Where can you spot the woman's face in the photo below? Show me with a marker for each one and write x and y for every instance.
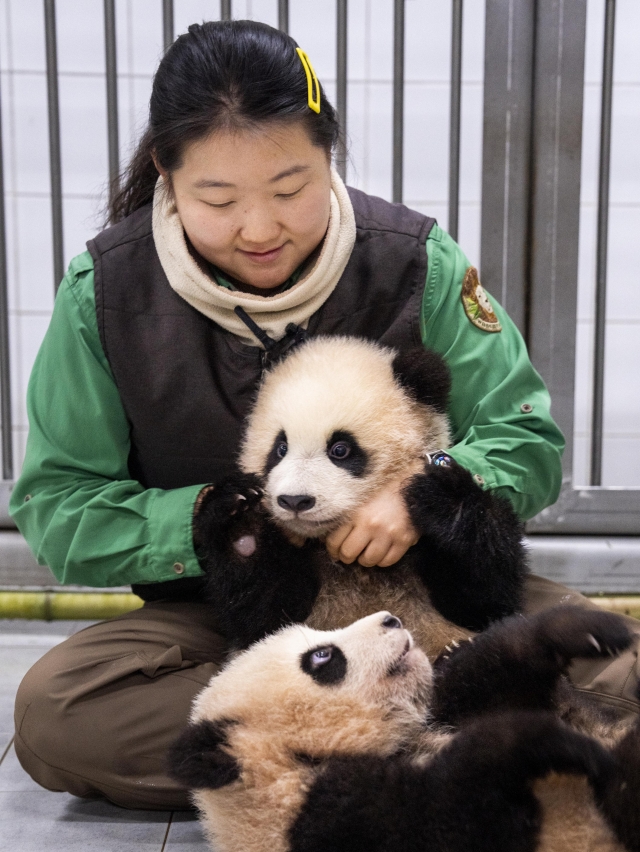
(254, 203)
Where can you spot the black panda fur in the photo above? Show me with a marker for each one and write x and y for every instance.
(350, 740)
(387, 410)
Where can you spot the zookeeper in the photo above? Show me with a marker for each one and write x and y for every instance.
(138, 393)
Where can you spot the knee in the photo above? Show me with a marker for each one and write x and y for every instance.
(39, 716)
(103, 726)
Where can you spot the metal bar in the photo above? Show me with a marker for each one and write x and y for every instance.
(112, 95)
(398, 99)
(341, 85)
(225, 10)
(167, 24)
(591, 564)
(506, 153)
(555, 203)
(5, 373)
(283, 15)
(454, 118)
(55, 154)
(597, 413)
(591, 510)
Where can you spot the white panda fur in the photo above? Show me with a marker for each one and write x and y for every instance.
(392, 416)
(281, 731)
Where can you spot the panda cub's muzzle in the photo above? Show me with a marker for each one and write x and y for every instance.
(314, 478)
(296, 502)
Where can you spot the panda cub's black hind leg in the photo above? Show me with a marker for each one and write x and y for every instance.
(257, 581)
(475, 794)
(471, 554)
(491, 764)
(518, 663)
(618, 795)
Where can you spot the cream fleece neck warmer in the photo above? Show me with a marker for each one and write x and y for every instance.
(272, 313)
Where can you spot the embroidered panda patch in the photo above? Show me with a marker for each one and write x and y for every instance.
(476, 302)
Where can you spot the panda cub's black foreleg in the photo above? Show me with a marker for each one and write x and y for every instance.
(518, 663)
(471, 555)
(257, 581)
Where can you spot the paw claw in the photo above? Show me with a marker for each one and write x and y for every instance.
(592, 639)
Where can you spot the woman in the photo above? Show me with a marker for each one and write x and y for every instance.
(230, 201)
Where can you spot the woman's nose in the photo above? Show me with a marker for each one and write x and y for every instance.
(259, 229)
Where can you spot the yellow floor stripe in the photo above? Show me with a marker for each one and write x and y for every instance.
(49, 605)
(624, 604)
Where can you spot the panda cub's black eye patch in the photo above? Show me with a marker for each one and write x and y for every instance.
(345, 452)
(326, 664)
(278, 452)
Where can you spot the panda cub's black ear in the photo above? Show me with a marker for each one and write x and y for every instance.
(425, 375)
(200, 759)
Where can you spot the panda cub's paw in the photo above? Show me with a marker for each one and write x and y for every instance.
(569, 632)
(518, 663)
(447, 497)
(229, 513)
(233, 496)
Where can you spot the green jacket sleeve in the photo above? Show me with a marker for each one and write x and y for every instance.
(512, 450)
(75, 503)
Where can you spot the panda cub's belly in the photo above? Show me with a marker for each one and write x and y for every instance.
(350, 592)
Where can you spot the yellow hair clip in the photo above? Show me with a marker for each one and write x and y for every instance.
(314, 104)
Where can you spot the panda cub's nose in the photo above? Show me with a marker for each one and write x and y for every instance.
(296, 502)
(391, 621)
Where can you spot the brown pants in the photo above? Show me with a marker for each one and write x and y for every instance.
(96, 715)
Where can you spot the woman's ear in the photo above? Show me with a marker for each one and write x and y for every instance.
(162, 172)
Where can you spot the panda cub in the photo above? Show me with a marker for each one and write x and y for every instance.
(348, 740)
(332, 424)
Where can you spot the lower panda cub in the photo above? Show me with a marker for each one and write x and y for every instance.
(350, 740)
(333, 423)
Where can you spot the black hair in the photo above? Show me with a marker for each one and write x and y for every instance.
(220, 75)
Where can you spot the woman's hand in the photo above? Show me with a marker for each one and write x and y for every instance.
(380, 532)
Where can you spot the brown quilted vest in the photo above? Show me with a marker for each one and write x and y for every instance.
(186, 384)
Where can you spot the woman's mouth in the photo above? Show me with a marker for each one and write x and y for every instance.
(263, 256)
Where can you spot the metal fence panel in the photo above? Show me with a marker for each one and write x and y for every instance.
(530, 218)
(533, 99)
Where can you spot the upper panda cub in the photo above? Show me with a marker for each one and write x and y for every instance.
(349, 740)
(332, 423)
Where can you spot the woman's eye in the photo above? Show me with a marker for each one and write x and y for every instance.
(340, 450)
(219, 206)
(291, 194)
(320, 657)
(281, 450)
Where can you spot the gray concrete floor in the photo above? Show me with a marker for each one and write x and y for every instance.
(33, 819)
